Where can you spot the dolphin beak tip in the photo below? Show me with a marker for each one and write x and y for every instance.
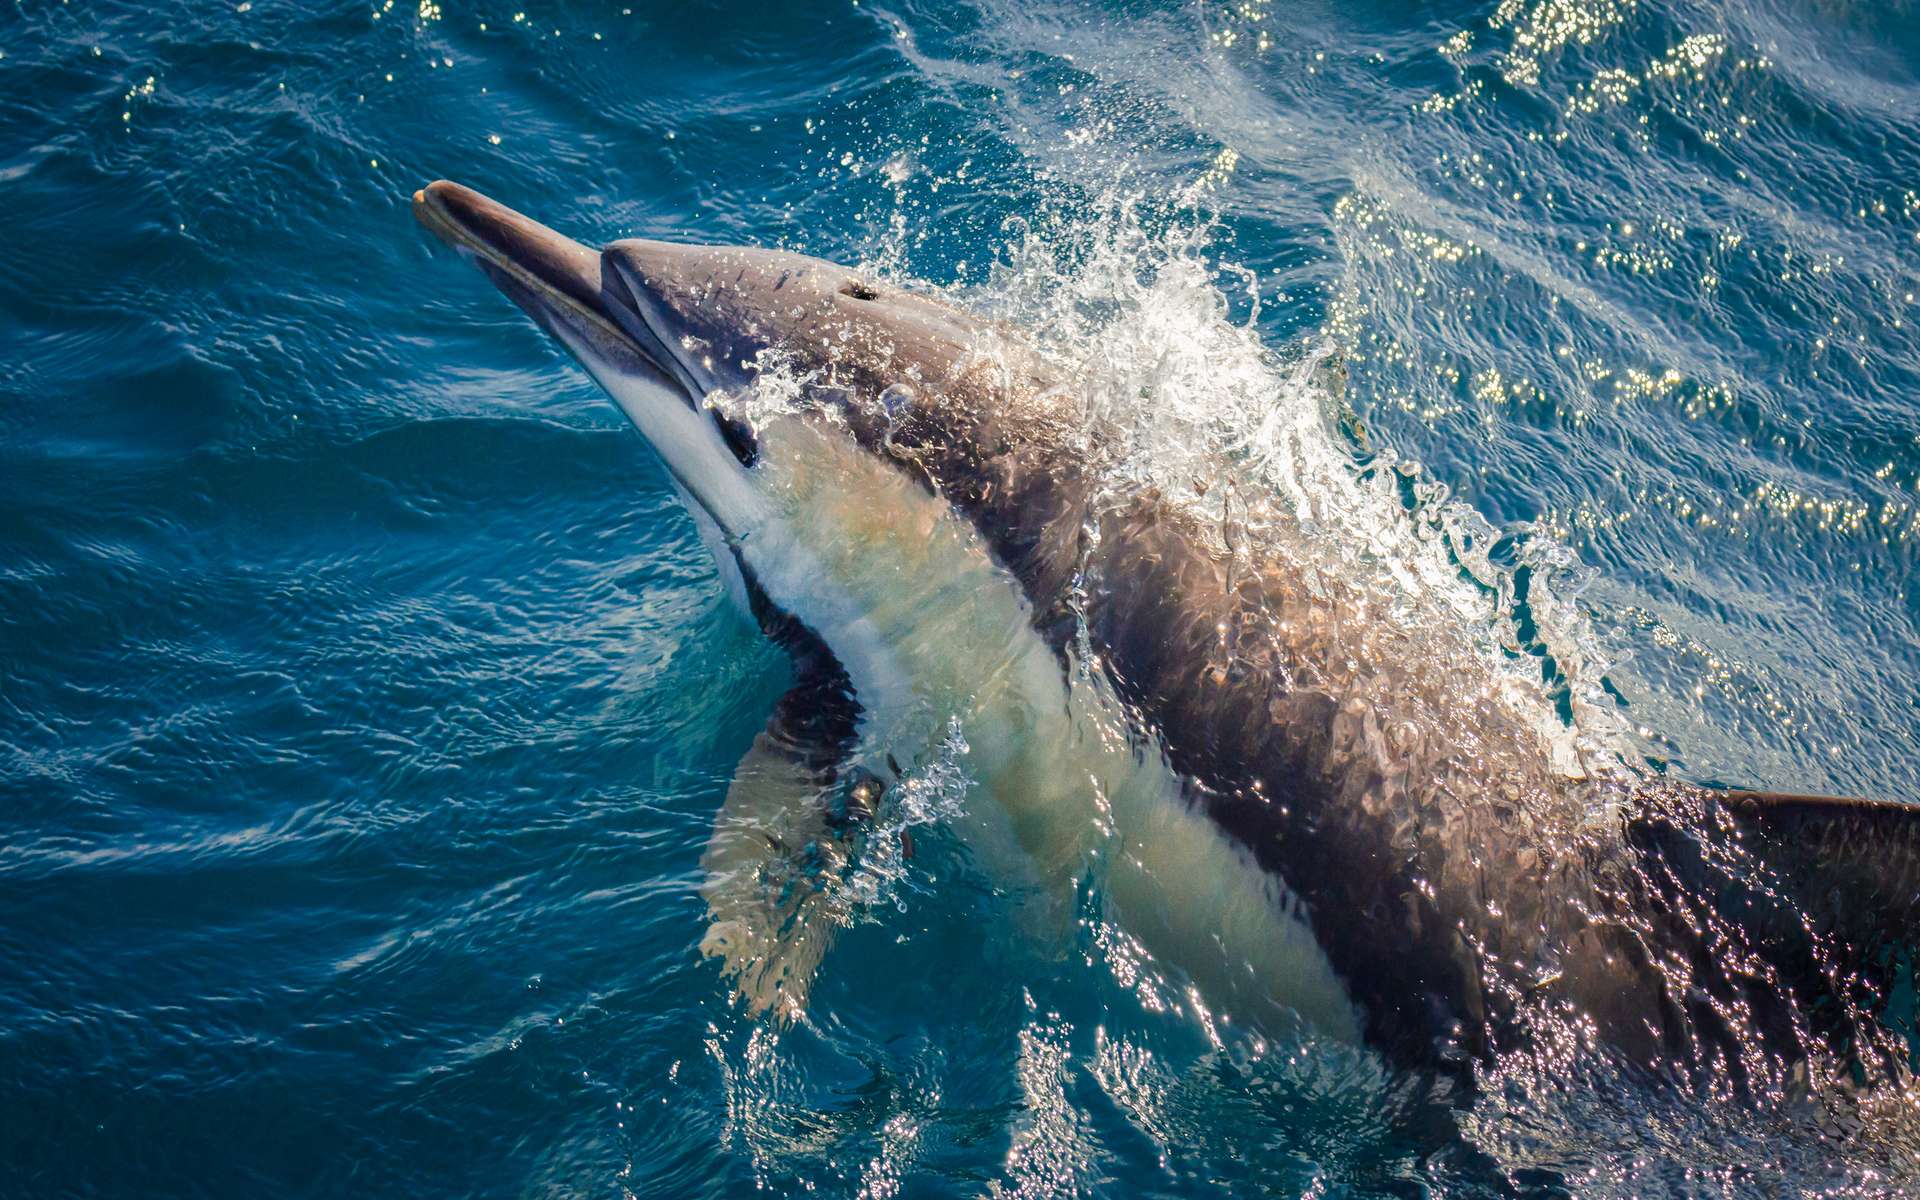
(441, 191)
(452, 212)
(429, 212)
(542, 270)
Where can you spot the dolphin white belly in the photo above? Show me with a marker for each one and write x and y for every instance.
(933, 633)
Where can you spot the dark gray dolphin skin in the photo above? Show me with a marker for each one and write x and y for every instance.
(1685, 928)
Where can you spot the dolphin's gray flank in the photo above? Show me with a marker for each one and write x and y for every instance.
(1451, 919)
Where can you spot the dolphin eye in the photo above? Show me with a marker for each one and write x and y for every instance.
(738, 438)
(859, 289)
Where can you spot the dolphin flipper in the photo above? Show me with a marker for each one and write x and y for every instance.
(779, 849)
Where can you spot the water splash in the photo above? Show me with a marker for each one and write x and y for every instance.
(1191, 404)
(930, 793)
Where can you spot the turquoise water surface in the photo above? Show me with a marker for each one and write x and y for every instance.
(366, 694)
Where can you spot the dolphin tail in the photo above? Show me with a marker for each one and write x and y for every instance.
(1821, 894)
(1854, 865)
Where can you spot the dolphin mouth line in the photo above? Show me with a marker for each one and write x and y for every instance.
(547, 265)
(543, 269)
(431, 209)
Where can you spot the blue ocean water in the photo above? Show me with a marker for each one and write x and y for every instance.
(365, 694)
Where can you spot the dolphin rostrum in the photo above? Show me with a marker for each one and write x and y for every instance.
(905, 497)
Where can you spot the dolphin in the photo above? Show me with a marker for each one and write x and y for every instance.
(907, 498)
